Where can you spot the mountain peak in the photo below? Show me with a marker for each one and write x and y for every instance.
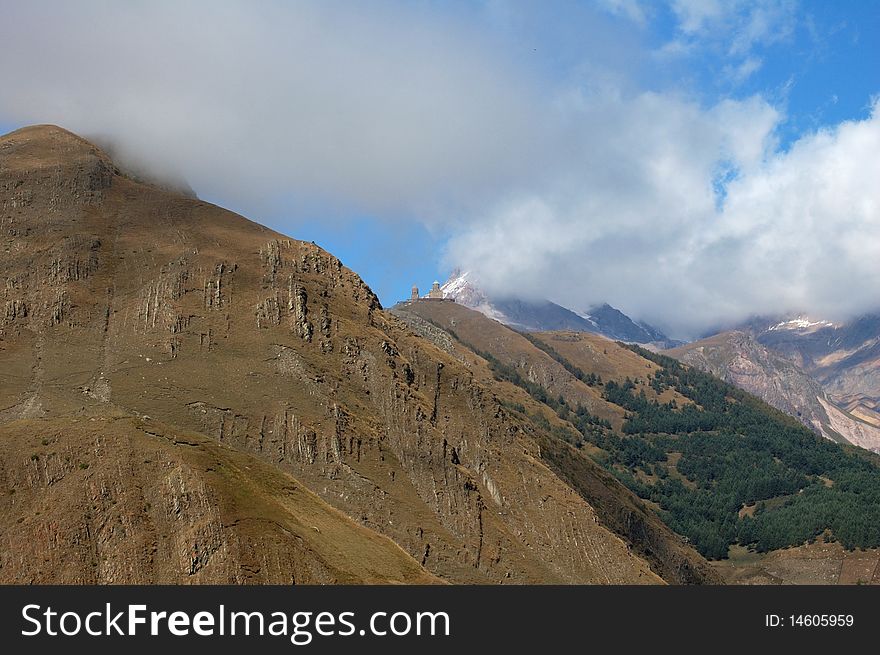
(44, 131)
(39, 147)
(42, 146)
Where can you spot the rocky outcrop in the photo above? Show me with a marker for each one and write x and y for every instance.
(844, 358)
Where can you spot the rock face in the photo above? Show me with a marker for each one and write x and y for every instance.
(124, 300)
(738, 358)
(843, 358)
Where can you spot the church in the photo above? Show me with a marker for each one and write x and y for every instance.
(434, 294)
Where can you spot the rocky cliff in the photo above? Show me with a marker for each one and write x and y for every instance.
(123, 299)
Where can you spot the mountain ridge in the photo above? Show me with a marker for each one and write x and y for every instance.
(539, 315)
(128, 299)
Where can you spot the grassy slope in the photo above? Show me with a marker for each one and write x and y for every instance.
(142, 502)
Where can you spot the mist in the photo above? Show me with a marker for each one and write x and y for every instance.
(586, 185)
(380, 107)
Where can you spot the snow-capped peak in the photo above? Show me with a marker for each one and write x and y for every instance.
(461, 288)
(456, 284)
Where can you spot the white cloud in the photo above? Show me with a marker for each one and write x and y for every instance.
(742, 71)
(618, 218)
(695, 15)
(734, 30)
(583, 188)
(803, 230)
(634, 10)
(740, 24)
(381, 107)
(637, 223)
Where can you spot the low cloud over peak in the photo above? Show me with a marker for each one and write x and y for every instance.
(568, 157)
(690, 218)
(376, 108)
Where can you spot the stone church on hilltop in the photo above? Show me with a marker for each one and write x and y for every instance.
(434, 294)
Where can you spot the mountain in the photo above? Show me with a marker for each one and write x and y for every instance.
(478, 341)
(738, 358)
(844, 358)
(616, 325)
(749, 487)
(539, 315)
(188, 396)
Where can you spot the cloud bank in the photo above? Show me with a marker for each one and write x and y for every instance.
(370, 107)
(583, 185)
(694, 218)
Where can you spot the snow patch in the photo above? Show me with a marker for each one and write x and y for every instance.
(801, 323)
(589, 318)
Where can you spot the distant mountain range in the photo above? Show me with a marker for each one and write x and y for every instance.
(539, 315)
(826, 375)
(738, 358)
(844, 358)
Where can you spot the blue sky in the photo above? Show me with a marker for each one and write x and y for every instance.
(655, 155)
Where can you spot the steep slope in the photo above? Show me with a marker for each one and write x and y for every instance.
(118, 500)
(126, 299)
(543, 315)
(492, 349)
(739, 359)
(515, 349)
(518, 313)
(614, 324)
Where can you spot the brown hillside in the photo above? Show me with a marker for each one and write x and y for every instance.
(123, 299)
(593, 353)
(465, 332)
(125, 501)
